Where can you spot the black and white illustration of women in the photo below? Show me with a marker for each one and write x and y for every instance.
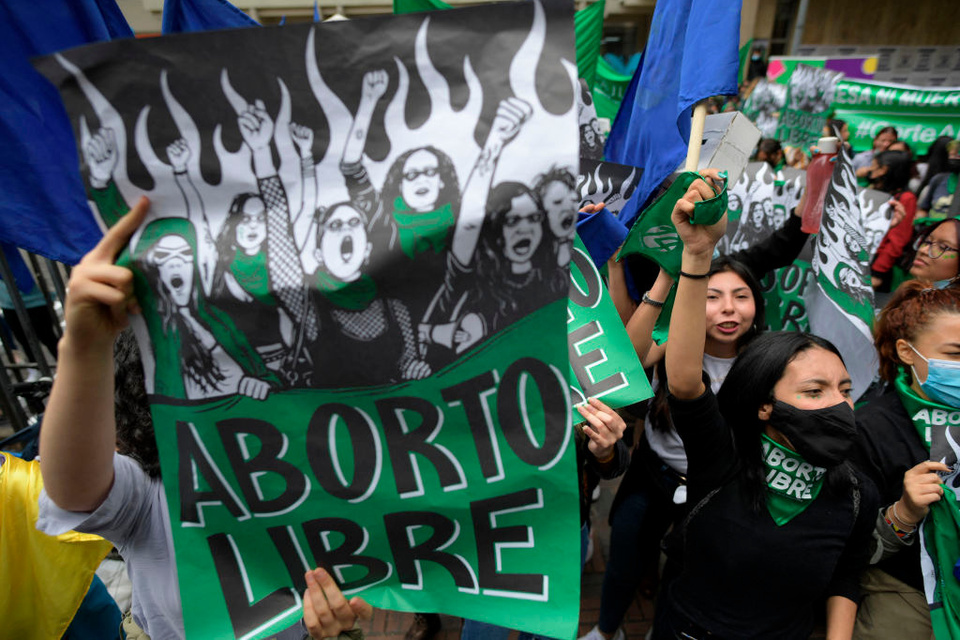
(283, 294)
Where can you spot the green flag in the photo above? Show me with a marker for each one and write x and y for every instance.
(744, 60)
(413, 6)
(588, 25)
(608, 89)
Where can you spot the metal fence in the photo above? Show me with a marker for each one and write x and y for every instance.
(29, 323)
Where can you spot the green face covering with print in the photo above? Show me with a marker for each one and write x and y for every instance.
(792, 483)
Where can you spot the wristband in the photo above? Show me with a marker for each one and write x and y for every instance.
(650, 301)
(694, 276)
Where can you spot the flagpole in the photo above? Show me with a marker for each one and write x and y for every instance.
(696, 136)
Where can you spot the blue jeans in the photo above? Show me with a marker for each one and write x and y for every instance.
(475, 630)
(637, 526)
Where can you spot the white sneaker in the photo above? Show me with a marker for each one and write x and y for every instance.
(595, 634)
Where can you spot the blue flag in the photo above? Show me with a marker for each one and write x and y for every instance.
(691, 54)
(184, 16)
(43, 208)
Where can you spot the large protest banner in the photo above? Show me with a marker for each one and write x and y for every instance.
(403, 419)
(920, 114)
(809, 96)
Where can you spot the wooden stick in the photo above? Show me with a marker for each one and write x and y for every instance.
(696, 136)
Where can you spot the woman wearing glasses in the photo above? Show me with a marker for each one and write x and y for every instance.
(357, 325)
(936, 259)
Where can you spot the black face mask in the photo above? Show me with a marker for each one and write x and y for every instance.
(824, 437)
(953, 165)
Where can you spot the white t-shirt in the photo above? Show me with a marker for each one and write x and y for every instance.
(666, 443)
(134, 518)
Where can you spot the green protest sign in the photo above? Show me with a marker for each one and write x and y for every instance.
(920, 114)
(809, 96)
(871, 96)
(353, 328)
(603, 362)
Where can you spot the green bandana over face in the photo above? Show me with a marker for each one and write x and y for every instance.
(353, 296)
(940, 530)
(252, 274)
(792, 483)
(421, 232)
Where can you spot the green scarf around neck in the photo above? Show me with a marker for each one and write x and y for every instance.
(422, 232)
(353, 296)
(252, 274)
(940, 530)
(792, 483)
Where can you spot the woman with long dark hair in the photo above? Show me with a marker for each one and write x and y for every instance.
(890, 172)
(778, 521)
(917, 336)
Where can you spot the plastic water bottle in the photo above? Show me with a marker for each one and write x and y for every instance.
(819, 174)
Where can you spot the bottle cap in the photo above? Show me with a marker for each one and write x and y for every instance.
(829, 145)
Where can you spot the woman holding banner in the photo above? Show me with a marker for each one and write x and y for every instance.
(766, 474)
(902, 448)
(99, 460)
(890, 172)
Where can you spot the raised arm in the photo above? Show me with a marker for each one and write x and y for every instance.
(641, 323)
(511, 114)
(302, 219)
(374, 86)
(100, 155)
(179, 155)
(79, 427)
(688, 324)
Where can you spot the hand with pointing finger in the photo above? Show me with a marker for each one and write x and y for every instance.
(101, 293)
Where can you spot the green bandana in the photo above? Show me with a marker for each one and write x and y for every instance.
(940, 530)
(421, 232)
(252, 274)
(353, 296)
(654, 236)
(792, 483)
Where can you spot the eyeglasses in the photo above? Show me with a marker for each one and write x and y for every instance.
(338, 224)
(513, 219)
(935, 248)
(253, 218)
(162, 256)
(416, 173)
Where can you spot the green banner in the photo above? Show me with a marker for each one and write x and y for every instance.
(609, 89)
(603, 362)
(457, 493)
(921, 115)
(870, 96)
(355, 350)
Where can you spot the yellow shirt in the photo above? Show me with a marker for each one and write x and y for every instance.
(44, 578)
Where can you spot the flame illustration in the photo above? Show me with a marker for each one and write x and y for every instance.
(449, 128)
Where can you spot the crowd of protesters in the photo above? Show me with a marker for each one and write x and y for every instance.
(760, 499)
